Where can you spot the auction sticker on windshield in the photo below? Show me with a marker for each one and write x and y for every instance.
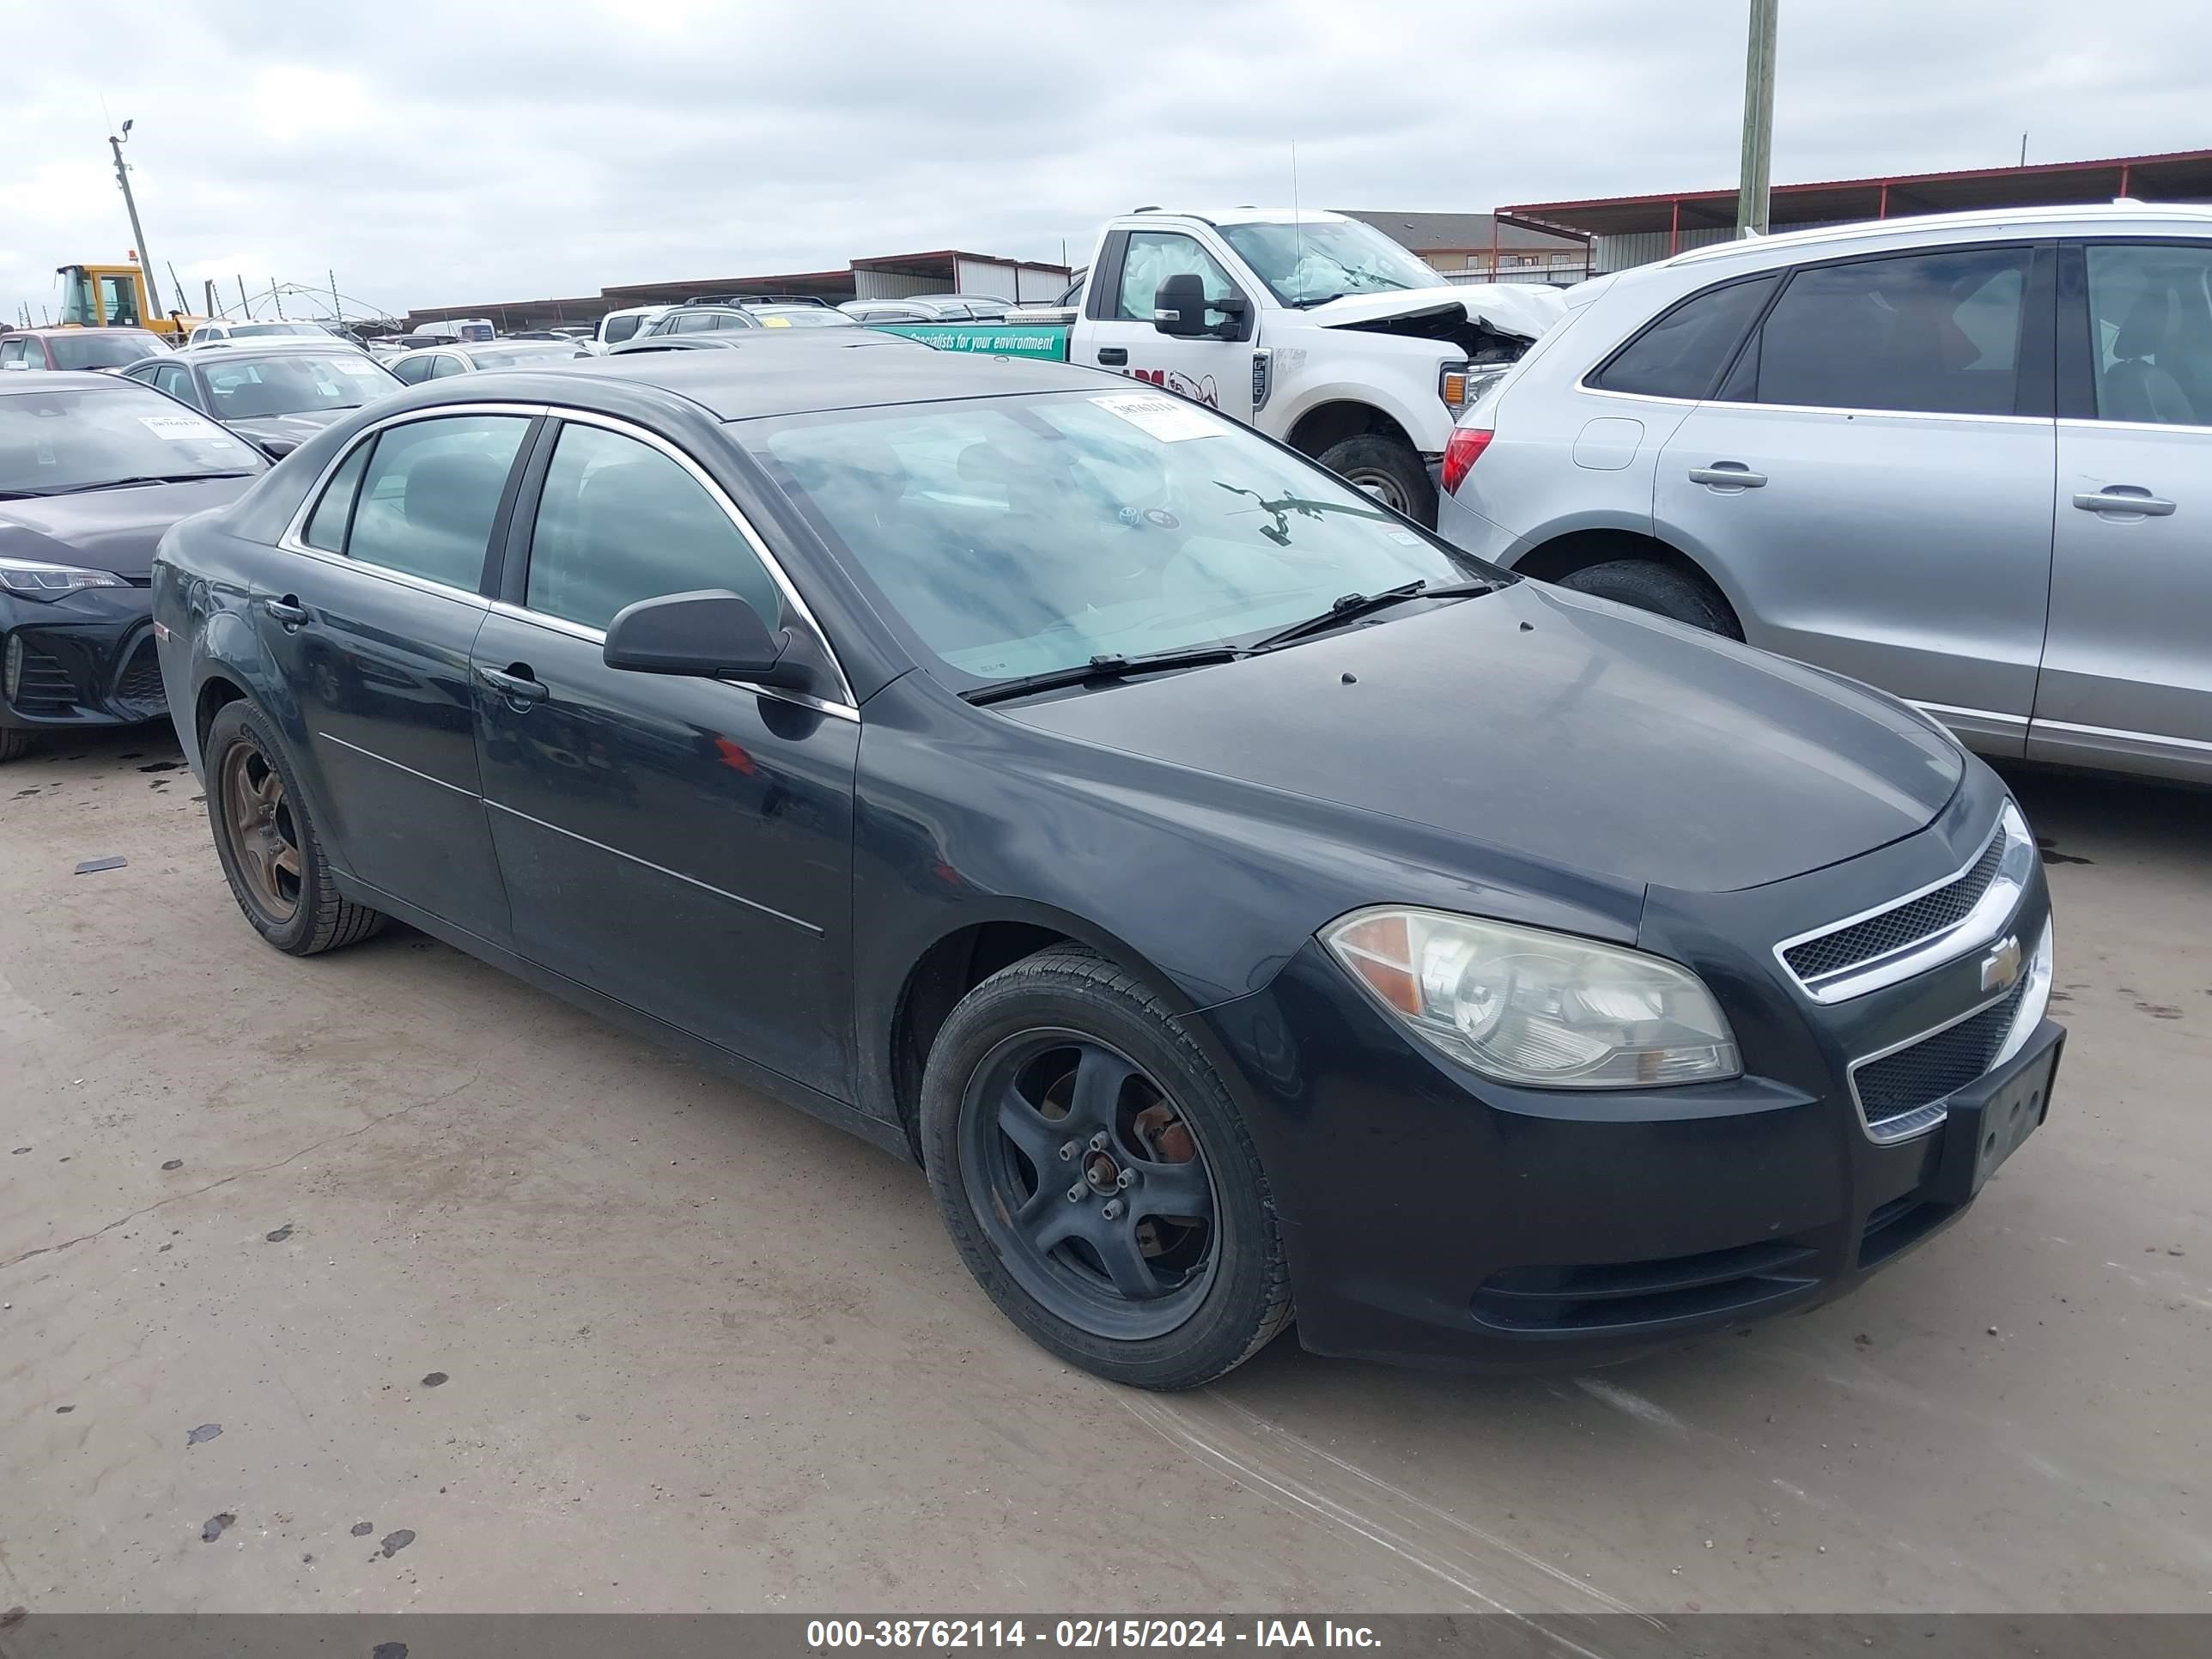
(1162, 416)
(183, 429)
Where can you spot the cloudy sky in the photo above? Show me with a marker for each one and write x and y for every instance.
(448, 153)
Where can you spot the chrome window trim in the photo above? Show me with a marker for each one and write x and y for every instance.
(1909, 1125)
(384, 573)
(294, 540)
(843, 711)
(661, 869)
(2092, 424)
(1583, 386)
(1885, 414)
(1988, 919)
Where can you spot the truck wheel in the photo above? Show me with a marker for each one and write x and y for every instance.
(1389, 471)
(1649, 585)
(1096, 1178)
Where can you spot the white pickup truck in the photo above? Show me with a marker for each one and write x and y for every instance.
(1314, 327)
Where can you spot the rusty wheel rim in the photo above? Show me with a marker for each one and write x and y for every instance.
(264, 841)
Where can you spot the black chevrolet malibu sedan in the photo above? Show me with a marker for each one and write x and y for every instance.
(92, 468)
(1244, 906)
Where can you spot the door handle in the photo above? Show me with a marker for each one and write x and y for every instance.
(1113, 357)
(1728, 475)
(287, 610)
(516, 682)
(2123, 498)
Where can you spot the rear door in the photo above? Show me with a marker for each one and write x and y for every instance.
(370, 622)
(2127, 670)
(1871, 484)
(678, 844)
(1117, 331)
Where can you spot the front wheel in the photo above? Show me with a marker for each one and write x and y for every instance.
(1387, 470)
(1649, 585)
(1097, 1179)
(14, 743)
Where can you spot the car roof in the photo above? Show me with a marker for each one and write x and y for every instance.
(276, 345)
(65, 379)
(61, 328)
(788, 372)
(2091, 217)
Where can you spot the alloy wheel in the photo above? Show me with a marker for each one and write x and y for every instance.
(264, 841)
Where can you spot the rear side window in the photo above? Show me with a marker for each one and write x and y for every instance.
(618, 521)
(326, 525)
(1934, 334)
(1683, 354)
(620, 328)
(430, 494)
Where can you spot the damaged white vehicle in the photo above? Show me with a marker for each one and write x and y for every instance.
(1314, 327)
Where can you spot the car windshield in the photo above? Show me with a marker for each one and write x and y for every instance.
(801, 316)
(522, 353)
(1017, 536)
(106, 348)
(54, 442)
(1308, 264)
(243, 387)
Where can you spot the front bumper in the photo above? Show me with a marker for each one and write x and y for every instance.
(1433, 1216)
(86, 659)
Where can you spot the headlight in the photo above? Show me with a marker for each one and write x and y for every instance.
(1525, 1006)
(30, 580)
(1461, 384)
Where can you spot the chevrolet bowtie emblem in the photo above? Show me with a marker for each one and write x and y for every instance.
(2001, 967)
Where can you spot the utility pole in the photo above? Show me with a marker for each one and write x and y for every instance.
(244, 304)
(276, 298)
(115, 142)
(1758, 121)
(337, 311)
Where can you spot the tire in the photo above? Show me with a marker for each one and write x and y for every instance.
(274, 861)
(14, 743)
(1649, 585)
(1389, 470)
(1216, 1291)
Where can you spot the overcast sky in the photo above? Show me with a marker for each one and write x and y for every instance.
(448, 154)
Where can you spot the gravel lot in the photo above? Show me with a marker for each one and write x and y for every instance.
(385, 1282)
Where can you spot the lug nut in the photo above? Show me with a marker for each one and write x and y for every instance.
(1098, 1141)
(1068, 1151)
(1075, 1193)
(1126, 1180)
(1112, 1210)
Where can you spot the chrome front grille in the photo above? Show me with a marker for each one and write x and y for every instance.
(1919, 930)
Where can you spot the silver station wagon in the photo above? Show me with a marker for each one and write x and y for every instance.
(1967, 459)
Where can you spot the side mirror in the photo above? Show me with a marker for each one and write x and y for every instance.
(1179, 307)
(277, 448)
(713, 634)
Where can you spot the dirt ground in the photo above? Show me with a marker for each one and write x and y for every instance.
(385, 1282)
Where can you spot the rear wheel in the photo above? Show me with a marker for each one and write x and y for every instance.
(267, 842)
(1389, 470)
(1096, 1178)
(1649, 585)
(14, 743)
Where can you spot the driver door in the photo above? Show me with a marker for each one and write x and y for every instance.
(1118, 333)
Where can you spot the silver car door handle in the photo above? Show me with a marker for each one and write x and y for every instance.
(287, 610)
(1728, 475)
(2123, 498)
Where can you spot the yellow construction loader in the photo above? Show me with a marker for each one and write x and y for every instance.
(115, 296)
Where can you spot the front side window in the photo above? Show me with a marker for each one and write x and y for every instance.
(1311, 264)
(177, 381)
(2150, 328)
(52, 443)
(1683, 354)
(446, 363)
(1152, 257)
(430, 494)
(11, 353)
(1018, 535)
(620, 328)
(1936, 333)
(618, 521)
(409, 371)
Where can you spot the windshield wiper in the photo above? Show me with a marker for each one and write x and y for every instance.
(1104, 670)
(1352, 606)
(155, 478)
(1317, 300)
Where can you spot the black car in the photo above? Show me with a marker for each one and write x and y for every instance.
(92, 468)
(275, 394)
(1238, 900)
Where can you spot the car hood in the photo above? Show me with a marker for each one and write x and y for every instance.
(298, 426)
(1566, 730)
(113, 530)
(1522, 309)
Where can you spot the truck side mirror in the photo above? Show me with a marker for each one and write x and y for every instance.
(1179, 307)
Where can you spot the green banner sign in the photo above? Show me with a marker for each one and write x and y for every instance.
(1045, 340)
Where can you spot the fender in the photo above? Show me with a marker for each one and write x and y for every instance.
(1427, 428)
